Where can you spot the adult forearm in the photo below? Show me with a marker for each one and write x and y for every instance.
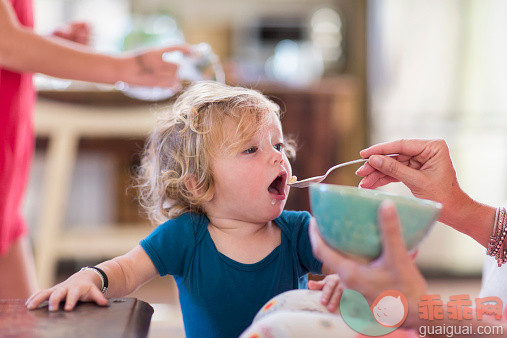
(23, 50)
(472, 218)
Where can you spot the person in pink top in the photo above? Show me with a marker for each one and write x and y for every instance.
(22, 52)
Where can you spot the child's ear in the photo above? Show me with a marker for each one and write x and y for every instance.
(192, 186)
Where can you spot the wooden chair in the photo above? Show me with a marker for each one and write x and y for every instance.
(64, 124)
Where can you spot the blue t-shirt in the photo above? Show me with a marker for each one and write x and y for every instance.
(219, 297)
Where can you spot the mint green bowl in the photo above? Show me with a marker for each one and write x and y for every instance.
(347, 218)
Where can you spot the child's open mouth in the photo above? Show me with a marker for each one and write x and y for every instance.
(277, 187)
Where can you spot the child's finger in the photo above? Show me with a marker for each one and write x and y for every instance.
(98, 297)
(185, 49)
(315, 285)
(31, 298)
(328, 290)
(72, 297)
(334, 299)
(38, 298)
(56, 297)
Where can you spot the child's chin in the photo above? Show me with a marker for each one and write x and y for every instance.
(278, 208)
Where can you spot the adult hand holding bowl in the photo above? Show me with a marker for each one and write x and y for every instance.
(347, 218)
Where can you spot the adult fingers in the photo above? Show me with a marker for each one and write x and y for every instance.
(390, 167)
(82, 26)
(168, 67)
(374, 179)
(393, 248)
(167, 75)
(366, 169)
(384, 181)
(82, 33)
(402, 147)
(184, 48)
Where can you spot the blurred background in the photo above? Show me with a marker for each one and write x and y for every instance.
(347, 73)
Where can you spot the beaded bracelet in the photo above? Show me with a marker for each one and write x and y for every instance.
(493, 246)
(492, 238)
(501, 233)
(498, 237)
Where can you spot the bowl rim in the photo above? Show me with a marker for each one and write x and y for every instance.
(374, 194)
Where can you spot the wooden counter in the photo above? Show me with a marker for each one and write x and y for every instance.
(123, 317)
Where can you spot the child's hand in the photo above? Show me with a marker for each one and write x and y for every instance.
(332, 290)
(80, 286)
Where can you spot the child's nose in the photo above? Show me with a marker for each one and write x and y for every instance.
(276, 157)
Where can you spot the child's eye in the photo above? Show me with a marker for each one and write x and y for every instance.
(251, 150)
(279, 146)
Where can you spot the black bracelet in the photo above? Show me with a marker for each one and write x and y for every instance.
(101, 274)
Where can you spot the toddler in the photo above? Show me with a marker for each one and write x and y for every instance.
(215, 171)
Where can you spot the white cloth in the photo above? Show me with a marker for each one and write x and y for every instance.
(297, 314)
(494, 280)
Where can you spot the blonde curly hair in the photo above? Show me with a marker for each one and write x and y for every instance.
(188, 136)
